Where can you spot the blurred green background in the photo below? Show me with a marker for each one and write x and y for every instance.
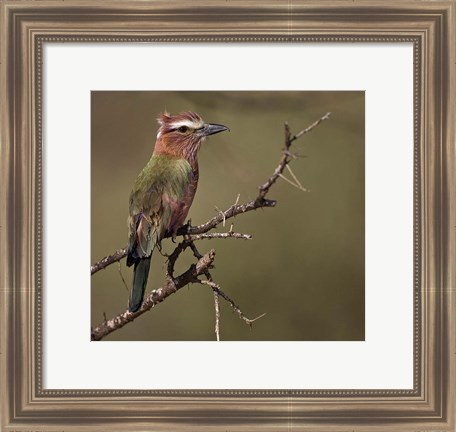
(304, 267)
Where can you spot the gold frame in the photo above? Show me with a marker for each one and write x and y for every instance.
(431, 27)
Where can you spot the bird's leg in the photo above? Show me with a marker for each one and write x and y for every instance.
(187, 225)
(183, 228)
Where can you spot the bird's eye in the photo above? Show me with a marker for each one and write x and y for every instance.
(183, 129)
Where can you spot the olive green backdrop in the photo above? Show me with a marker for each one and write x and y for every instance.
(305, 264)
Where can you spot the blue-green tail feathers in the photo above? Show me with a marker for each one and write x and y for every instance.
(140, 275)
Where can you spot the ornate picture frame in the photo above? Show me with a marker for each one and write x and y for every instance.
(28, 25)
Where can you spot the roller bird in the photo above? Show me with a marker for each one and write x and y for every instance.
(163, 192)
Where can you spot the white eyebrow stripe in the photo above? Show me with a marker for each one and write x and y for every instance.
(188, 123)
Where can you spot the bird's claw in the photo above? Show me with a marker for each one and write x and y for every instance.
(187, 226)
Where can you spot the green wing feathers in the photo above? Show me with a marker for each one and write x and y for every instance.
(163, 182)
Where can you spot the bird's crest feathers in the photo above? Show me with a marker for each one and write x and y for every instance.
(168, 122)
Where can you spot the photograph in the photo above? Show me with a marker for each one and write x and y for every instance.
(228, 215)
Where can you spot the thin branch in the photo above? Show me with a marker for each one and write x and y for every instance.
(122, 253)
(232, 211)
(155, 297)
(311, 127)
(229, 234)
(215, 287)
(285, 160)
(108, 260)
(208, 275)
(197, 255)
(217, 315)
(218, 292)
(174, 256)
(287, 155)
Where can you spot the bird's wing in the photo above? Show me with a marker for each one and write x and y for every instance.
(146, 221)
(161, 183)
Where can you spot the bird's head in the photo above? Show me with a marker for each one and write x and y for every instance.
(181, 135)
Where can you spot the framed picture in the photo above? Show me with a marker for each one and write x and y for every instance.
(264, 193)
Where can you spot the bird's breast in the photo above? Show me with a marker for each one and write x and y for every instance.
(181, 207)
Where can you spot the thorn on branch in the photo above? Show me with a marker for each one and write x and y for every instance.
(295, 178)
(292, 184)
(222, 214)
(250, 322)
(121, 276)
(290, 154)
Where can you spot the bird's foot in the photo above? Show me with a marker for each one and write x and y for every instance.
(187, 225)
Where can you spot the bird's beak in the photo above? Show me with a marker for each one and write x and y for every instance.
(211, 129)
